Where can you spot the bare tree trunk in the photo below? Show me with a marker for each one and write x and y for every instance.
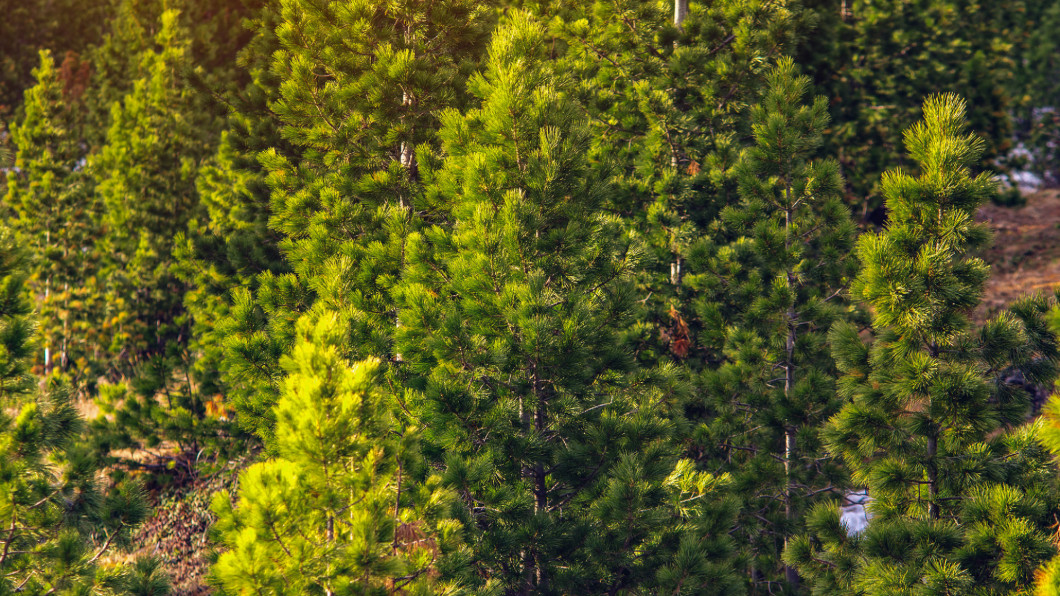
(933, 476)
(47, 294)
(790, 575)
(406, 152)
(64, 361)
(680, 12)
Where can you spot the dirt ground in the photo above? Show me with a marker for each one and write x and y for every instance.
(178, 532)
(1025, 256)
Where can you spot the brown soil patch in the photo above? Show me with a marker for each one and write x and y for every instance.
(1025, 256)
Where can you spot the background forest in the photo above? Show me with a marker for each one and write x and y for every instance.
(529, 297)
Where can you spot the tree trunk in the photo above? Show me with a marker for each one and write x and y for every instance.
(539, 477)
(406, 152)
(933, 448)
(933, 475)
(680, 12)
(790, 575)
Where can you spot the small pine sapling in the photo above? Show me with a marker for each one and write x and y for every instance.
(341, 508)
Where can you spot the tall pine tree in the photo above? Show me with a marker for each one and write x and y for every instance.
(667, 104)
(231, 249)
(146, 176)
(953, 509)
(58, 217)
(510, 322)
(771, 294)
(359, 88)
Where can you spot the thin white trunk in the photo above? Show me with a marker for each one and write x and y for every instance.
(680, 12)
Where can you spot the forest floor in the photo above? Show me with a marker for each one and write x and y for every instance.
(1025, 254)
(178, 531)
(1024, 257)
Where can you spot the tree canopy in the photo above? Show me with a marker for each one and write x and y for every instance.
(444, 296)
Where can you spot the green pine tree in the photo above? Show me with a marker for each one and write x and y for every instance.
(509, 332)
(146, 176)
(242, 298)
(954, 511)
(57, 216)
(180, 395)
(1047, 436)
(771, 295)
(667, 105)
(339, 509)
(115, 64)
(359, 87)
(227, 252)
(159, 135)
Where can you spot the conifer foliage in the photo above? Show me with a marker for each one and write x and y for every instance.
(666, 104)
(509, 330)
(336, 510)
(58, 519)
(146, 175)
(876, 61)
(57, 216)
(359, 88)
(923, 431)
(770, 295)
(532, 297)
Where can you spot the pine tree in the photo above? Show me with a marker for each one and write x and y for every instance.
(510, 318)
(242, 298)
(146, 173)
(667, 104)
(223, 260)
(772, 293)
(226, 250)
(388, 73)
(359, 87)
(115, 64)
(58, 218)
(1047, 436)
(159, 135)
(953, 509)
(338, 510)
